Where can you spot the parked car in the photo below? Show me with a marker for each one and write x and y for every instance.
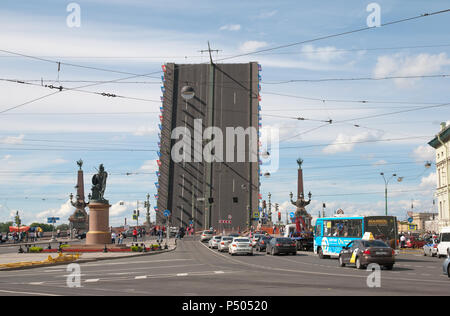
(224, 242)
(430, 249)
(206, 235)
(444, 242)
(240, 245)
(212, 243)
(363, 252)
(279, 245)
(261, 245)
(446, 265)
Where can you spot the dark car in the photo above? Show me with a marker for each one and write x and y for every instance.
(278, 245)
(363, 252)
(262, 242)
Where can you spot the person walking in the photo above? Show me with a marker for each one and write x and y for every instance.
(135, 234)
(113, 237)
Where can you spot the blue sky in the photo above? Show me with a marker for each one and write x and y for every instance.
(40, 142)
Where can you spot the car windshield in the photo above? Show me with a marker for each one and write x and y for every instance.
(227, 238)
(217, 237)
(242, 240)
(374, 243)
(286, 240)
(207, 232)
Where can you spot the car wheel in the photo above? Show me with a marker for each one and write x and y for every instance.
(341, 262)
(358, 264)
(321, 256)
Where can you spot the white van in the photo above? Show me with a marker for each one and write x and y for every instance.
(444, 242)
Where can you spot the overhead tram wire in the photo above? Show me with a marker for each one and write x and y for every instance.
(336, 35)
(61, 88)
(239, 55)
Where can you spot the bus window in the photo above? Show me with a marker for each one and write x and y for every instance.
(350, 228)
(318, 231)
(327, 228)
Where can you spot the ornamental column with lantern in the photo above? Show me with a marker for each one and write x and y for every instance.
(79, 220)
(301, 215)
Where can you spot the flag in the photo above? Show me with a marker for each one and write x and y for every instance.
(156, 196)
(163, 79)
(163, 89)
(158, 162)
(157, 185)
(158, 153)
(163, 68)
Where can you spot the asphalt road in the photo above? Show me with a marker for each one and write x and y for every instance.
(195, 270)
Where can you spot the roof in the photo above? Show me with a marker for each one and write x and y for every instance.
(444, 135)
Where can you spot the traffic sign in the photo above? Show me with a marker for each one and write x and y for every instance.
(292, 214)
(410, 220)
(256, 215)
(52, 220)
(224, 221)
(166, 213)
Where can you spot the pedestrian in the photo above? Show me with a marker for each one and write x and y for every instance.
(135, 233)
(402, 241)
(113, 237)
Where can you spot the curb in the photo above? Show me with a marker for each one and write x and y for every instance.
(86, 260)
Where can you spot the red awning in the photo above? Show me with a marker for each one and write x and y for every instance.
(21, 228)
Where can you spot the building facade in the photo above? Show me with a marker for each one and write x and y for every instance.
(441, 143)
(212, 181)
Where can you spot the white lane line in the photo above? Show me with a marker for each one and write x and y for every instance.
(130, 263)
(140, 277)
(28, 293)
(316, 273)
(219, 272)
(92, 280)
(182, 274)
(36, 283)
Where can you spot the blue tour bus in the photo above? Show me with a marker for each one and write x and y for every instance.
(332, 233)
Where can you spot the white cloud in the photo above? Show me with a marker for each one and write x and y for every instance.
(64, 211)
(150, 166)
(58, 161)
(346, 143)
(12, 140)
(429, 182)
(424, 153)
(146, 130)
(323, 54)
(251, 46)
(401, 65)
(230, 27)
(267, 14)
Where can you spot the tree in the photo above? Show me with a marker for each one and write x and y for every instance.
(4, 227)
(45, 227)
(63, 227)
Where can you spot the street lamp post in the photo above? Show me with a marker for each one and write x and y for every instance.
(386, 182)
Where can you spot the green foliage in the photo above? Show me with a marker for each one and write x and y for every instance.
(63, 227)
(36, 249)
(136, 248)
(45, 227)
(4, 227)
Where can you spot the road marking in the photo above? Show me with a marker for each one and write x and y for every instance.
(28, 293)
(316, 273)
(92, 280)
(140, 277)
(36, 283)
(218, 272)
(182, 274)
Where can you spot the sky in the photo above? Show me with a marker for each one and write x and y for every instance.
(41, 141)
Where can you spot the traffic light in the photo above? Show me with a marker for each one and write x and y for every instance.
(279, 216)
(210, 200)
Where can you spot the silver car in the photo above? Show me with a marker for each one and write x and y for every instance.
(212, 243)
(446, 265)
(224, 243)
(431, 248)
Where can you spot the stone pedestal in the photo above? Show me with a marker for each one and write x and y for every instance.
(99, 233)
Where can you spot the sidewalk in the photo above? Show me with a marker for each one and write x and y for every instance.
(25, 260)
